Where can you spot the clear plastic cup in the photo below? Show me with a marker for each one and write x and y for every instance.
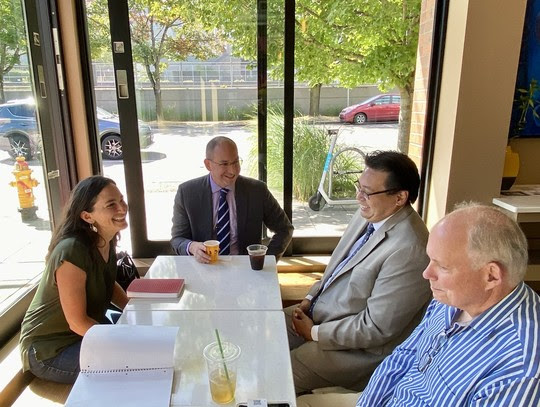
(256, 255)
(222, 370)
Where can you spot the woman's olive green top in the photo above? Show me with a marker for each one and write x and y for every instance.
(45, 325)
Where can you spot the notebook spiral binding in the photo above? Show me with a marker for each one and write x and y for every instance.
(127, 370)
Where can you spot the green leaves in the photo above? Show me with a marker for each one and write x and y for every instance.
(161, 31)
(526, 102)
(12, 38)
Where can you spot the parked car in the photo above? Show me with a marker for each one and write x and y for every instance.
(19, 133)
(376, 108)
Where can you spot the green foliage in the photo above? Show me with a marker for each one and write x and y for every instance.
(332, 111)
(237, 113)
(12, 38)
(352, 42)
(310, 147)
(164, 30)
(99, 36)
(526, 101)
(146, 114)
(346, 169)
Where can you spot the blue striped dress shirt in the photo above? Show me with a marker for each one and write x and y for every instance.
(493, 361)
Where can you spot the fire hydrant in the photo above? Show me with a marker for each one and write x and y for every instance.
(24, 183)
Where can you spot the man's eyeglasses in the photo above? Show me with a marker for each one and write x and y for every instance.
(365, 195)
(235, 163)
(427, 357)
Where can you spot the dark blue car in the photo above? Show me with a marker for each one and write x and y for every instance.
(19, 134)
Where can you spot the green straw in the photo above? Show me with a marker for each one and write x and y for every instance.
(223, 358)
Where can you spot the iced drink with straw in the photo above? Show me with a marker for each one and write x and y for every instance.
(221, 360)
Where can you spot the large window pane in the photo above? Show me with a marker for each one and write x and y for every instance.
(24, 211)
(196, 77)
(343, 57)
(192, 85)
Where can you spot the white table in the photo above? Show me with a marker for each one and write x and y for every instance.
(523, 209)
(520, 208)
(264, 367)
(229, 284)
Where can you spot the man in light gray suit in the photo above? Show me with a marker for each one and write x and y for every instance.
(250, 206)
(372, 293)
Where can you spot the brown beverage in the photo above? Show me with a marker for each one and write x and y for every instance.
(257, 261)
(256, 255)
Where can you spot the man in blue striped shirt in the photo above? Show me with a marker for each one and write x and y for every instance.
(479, 342)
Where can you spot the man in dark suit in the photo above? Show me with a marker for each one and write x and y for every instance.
(250, 205)
(372, 293)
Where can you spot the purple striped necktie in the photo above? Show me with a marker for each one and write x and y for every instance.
(223, 224)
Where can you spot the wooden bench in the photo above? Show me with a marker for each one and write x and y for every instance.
(297, 274)
(24, 389)
(43, 393)
(12, 380)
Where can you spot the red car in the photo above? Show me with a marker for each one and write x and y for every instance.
(376, 108)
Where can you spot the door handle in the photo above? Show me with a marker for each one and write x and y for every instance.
(121, 84)
(41, 79)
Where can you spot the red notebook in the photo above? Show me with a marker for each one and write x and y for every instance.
(155, 288)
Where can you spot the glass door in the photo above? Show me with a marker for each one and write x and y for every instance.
(174, 81)
(32, 145)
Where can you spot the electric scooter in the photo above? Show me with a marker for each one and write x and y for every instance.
(323, 197)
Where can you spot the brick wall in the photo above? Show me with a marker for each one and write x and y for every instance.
(423, 61)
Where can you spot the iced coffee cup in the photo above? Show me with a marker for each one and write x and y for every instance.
(222, 370)
(256, 255)
(212, 249)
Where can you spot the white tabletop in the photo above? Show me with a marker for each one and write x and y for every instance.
(229, 284)
(520, 208)
(519, 204)
(264, 367)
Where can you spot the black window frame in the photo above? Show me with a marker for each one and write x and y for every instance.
(141, 245)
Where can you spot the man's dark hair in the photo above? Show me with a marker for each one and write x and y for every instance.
(402, 171)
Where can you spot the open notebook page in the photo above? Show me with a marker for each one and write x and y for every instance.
(125, 365)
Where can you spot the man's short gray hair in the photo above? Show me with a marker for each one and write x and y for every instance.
(217, 141)
(494, 237)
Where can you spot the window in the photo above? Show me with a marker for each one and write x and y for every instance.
(34, 169)
(189, 98)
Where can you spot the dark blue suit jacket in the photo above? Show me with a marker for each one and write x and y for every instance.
(255, 207)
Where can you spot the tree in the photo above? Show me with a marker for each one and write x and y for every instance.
(161, 31)
(351, 42)
(376, 43)
(12, 39)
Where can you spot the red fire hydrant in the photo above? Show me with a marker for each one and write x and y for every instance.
(24, 183)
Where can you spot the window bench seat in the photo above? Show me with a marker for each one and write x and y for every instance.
(24, 389)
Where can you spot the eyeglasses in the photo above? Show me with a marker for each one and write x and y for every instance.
(427, 357)
(365, 195)
(235, 163)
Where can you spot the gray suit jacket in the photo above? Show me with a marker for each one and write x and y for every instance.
(376, 301)
(255, 207)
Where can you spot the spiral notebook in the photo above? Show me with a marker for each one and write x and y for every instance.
(125, 365)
